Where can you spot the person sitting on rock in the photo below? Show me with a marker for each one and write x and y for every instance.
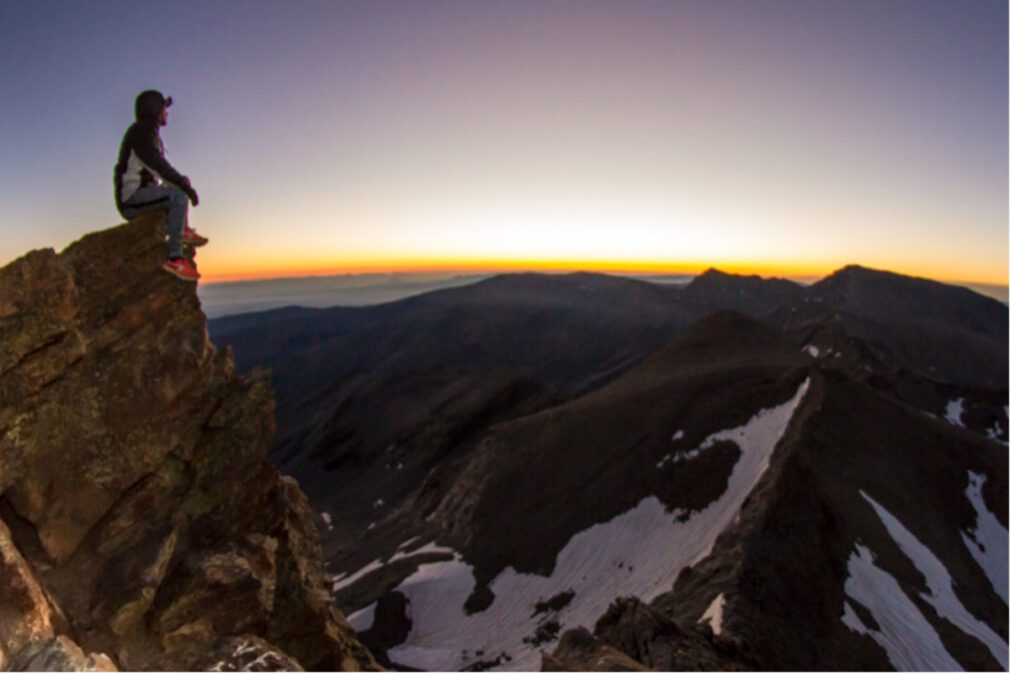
(146, 181)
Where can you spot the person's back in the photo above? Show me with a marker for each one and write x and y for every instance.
(144, 181)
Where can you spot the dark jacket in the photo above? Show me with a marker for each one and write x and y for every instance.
(142, 161)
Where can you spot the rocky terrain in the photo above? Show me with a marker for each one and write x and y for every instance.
(585, 472)
(140, 527)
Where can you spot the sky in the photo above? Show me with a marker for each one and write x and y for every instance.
(776, 137)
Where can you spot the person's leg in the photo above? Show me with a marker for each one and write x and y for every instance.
(162, 197)
(178, 213)
(146, 199)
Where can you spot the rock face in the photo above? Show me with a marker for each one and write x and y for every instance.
(138, 518)
(635, 636)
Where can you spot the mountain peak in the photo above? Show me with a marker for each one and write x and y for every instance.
(137, 513)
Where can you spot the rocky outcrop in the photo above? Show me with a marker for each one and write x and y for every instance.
(138, 518)
(633, 636)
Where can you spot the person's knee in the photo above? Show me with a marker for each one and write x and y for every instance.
(178, 198)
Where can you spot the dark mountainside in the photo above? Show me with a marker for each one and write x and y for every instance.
(140, 527)
(395, 390)
(588, 472)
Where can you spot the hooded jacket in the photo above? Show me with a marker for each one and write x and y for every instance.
(142, 157)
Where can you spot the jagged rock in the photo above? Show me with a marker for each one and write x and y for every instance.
(651, 637)
(132, 474)
(59, 654)
(580, 651)
(241, 653)
(25, 611)
(643, 635)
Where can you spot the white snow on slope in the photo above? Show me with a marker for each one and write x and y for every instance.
(713, 614)
(988, 541)
(955, 408)
(940, 584)
(994, 433)
(363, 619)
(638, 553)
(911, 642)
(671, 458)
(407, 543)
(811, 350)
(343, 580)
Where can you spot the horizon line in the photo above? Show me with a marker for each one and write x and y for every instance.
(769, 271)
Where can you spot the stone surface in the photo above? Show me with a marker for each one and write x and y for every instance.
(580, 651)
(59, 654)
(141, 517)
(25, 612)
(635, 632)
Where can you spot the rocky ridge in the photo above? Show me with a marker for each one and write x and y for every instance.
(140, 526)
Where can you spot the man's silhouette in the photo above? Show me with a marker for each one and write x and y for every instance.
(146, 181)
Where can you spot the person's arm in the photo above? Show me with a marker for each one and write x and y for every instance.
(146, 146)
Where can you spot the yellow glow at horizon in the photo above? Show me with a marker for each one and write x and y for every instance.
(635, 234)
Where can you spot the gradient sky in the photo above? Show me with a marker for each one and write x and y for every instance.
(786, 138)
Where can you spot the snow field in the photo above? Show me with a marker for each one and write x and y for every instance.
(909, 639)
(637, 553)
(988, 541)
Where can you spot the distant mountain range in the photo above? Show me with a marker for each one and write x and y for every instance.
(587, 471)
(365, 289)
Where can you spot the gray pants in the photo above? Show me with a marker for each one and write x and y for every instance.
(162, 197)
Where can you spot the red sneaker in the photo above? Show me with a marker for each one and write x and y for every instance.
(190, 237)
(181, 268)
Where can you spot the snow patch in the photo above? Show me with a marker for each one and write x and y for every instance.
(363, 619)
(343, 580)
(988, 541)
(713, 615)
(911, 642)
(671, 458)
(677, 436)
(327, 519)
(655, 545)
(955, 408)
(407, 543)
(940, 584)
(378, 503)
(812, 350)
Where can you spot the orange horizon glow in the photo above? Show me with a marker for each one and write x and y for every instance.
(807, 271)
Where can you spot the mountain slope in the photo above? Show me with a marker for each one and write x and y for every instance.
(801, 564)
(948, 333)
(569, 507)
(497, 465)
(726, 480)
(372, 399)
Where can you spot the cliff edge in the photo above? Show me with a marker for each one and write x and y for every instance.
(140, 526)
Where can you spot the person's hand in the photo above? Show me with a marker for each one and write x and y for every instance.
(187, 188)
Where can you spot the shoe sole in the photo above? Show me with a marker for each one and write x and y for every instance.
(181, 276)
(196, 244)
